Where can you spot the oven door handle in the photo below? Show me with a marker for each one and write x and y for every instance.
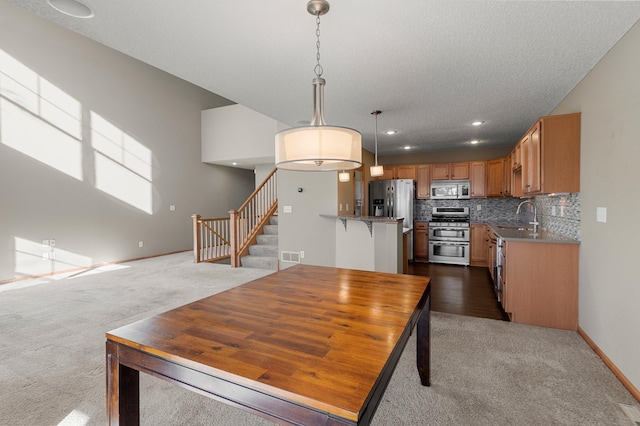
(450, 229)
(444, 243)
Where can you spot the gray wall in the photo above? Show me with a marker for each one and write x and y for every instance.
(609, 99)
(303, 229)
(57, 185)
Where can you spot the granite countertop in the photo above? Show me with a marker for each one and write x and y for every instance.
(524, 232)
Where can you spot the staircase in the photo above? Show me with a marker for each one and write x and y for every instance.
(264, 254)
(249, 237)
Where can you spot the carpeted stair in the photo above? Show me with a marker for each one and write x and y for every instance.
(264, 254)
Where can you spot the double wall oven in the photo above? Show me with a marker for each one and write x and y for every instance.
(449, 235)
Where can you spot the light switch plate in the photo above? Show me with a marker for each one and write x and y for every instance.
(287, 209)
(601, 214)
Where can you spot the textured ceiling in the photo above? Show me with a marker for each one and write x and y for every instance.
(431, 67)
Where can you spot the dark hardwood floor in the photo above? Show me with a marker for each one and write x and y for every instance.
(461, 290)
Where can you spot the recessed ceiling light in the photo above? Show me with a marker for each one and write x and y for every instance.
(406, 147)
(474, 142)
(477, 123)
(391, 132)
(72, 8)
(234, 164)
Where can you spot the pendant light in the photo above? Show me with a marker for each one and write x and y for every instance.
(376, 170)
(318, 147)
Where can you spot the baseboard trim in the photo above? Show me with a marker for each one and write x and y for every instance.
(625, 382)
(67, 271)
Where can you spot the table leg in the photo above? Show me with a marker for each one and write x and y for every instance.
(123, 390)
(424, 342)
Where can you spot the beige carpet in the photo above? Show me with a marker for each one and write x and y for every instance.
(485, 372)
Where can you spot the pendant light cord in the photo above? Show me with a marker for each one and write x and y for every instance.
(318, 68)
(375, 113)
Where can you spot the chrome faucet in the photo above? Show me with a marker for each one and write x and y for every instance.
(535, 222)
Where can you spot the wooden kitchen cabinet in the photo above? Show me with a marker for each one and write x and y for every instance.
(550, 153)
(387, 173)
(450, 171)
(491, 241)
(516, 157)
(495, 178)
(540, 284)
(478, 245)
(421, 241)
(406, 172)
(477, 179)
(423, 183)
(507, 175)
(398, 172)
(531, 161)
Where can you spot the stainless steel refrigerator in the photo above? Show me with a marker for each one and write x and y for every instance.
(394, 198)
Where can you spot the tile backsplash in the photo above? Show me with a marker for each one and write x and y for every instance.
(560, 214)
(566, 207)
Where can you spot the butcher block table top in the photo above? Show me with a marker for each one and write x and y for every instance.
(304, 345)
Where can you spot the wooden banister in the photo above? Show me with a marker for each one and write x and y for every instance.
(220, 238)
(249, 219)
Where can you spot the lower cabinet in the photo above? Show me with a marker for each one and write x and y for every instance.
(540, 284)
(478, 251)
(421, 242)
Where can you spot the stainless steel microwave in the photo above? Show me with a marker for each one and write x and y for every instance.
(450, 190)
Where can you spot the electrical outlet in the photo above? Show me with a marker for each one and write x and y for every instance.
(172, 208)
(553, 210)
(302, 255)
(479, 207)
(52, 243)
(140, 244)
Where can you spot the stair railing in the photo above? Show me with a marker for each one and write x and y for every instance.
(248, 220)
(211, 239)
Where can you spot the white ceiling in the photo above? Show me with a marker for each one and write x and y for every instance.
(431, 66)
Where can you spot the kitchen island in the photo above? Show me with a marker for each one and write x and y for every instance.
(371, 243)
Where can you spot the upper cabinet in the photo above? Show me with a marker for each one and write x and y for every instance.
(477, 179)
(516, 157)
(550, 153)
(423, 183)
(398, 172)
(499, 177)
(450, 171)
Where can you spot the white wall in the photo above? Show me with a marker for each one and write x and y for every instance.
(609, 99)
(95, 198)
(240, 134)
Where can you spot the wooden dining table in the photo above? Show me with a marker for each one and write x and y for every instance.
(307, 345)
